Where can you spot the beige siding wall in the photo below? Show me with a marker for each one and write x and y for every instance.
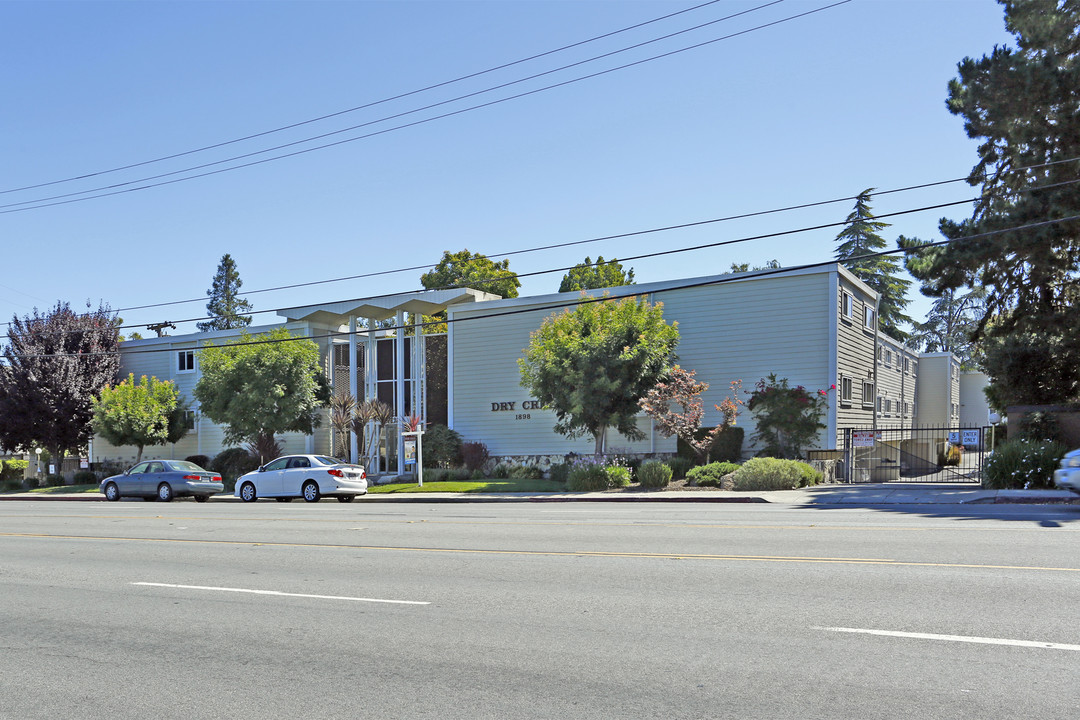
(897, 384)
(740, 330)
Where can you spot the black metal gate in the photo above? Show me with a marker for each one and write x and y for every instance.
(915, 455)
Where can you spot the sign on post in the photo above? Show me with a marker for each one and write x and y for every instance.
(864, 438)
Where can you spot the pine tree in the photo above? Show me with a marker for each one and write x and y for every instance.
(881, 273)
(225, 306)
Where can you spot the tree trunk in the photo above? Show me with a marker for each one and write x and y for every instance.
(138, 456)
(599, 436)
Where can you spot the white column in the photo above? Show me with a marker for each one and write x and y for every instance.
(399, 385)
(354, 445)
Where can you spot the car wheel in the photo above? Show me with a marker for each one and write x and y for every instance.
(164, 492)
(311, 491)
(202, 498)
(112, 492)
(283, 499)
(247, 492)
(345, 498)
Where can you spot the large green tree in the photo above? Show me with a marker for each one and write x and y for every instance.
(473, 270)
(1023, 106)
(226, 307)
(149, 412)
(949, 325)
(859, 238)
(593, 364)
(602, 274)
(265, 384)
(54, 365)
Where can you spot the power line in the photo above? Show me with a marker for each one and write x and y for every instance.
(378, 102)
(625, 291)
(43, 202)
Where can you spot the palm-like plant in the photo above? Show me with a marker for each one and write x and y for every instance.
(380, 414)
(342, 409)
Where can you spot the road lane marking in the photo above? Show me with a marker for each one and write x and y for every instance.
(279, 594)
(954, 638)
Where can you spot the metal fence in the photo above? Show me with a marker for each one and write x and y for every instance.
(915, 455)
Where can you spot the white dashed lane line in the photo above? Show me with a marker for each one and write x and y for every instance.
(278, 593)
(954, 638)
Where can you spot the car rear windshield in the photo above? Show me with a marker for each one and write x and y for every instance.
(183, 465)
(327, 460)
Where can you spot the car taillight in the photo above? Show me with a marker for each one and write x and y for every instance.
(193, 477)
(216, 478)
(335, 472)
(363, 475)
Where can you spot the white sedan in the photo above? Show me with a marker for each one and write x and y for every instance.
(308, 476)
(1067, 476)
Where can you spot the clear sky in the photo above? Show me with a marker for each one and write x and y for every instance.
(815, 108)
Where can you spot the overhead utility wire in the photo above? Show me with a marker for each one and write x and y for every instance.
(361, 125)
(44, 204)
(571, 243)
(625, 291)
(374, 102)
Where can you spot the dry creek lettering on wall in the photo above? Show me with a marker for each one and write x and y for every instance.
(512, 406)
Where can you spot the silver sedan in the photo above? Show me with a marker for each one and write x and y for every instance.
(163, 480)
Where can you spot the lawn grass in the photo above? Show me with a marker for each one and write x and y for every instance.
(65, 489)
(472, 486)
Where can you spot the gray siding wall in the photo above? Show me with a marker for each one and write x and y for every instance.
(855, 355)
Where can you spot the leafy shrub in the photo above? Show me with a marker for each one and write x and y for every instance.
(787, 418)
(525, 472)
(587, 477)
(768, 474)
(1039, 426)
(559, 472)
(84, 477)
(1023, 464)
(710, 475)
(474, 455)
(617, 475)
(808, 475)
(54, 480)
(727, 448)
(477, 475)
(654, 474)
(441, 447)
(502, 470)
(202, 461)
(679, 466)
(463, 474)
(13, 470)
(10, 484)
(436, 474)
(231, 464)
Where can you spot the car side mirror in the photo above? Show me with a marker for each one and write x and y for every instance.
(262, 468)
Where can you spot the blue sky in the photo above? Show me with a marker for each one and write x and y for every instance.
(815, 108)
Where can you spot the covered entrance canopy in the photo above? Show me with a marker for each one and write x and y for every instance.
(347, 314)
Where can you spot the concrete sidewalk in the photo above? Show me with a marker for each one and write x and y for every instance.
(854, 495)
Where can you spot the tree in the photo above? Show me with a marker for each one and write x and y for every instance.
(787, 418)
(681, 389)
(1023, 107)
(54, 365)
(591, 365)
(466, 269)
(266, 384)
(139, 414)
(949, 326)
(604, 274)
(882, 273)
(745, 267)
(226, 308)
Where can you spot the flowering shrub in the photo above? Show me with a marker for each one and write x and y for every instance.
(1023, 464)
(589, 474)
(788, 418)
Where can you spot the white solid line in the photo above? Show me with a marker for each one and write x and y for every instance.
(955, 638)
(281, 594)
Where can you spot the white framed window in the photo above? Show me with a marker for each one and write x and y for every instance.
(914, 367)
(907, 365)
(880, 354)
(880, 405)
(845, 390)
(888, 358)
(868, 317)
(867, 394)
(848, 309)
(185, 361)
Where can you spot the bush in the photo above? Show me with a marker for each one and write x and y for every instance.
(231, 464)
(477, 475)
(679, 466)
(441, 447)
(11, 484)
(201, 460)
(654, 474)
(617, 475)
(501, 470)
(13, 470)
(1023, 464)
(710, 475)
(525, 472)
(728, 446)
(54, 480)
(559, 472)
(1039, 426)
(474, 455)
(587, 476)
(84, 477)
(436, 474)
(768, 474)
(463, 474)
(808, 475)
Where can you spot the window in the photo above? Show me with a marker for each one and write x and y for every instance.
(914, 368)
(880, 405)
(907, 365)
(185, 361)
(888, 358)
(880, 354)
(868, 394)
(845, 390)
(849, 306)
(189, 419)
(868, 317)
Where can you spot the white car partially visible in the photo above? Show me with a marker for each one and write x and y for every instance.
(1067, 476)
(311, 477)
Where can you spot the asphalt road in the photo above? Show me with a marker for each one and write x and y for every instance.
(575, 610)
